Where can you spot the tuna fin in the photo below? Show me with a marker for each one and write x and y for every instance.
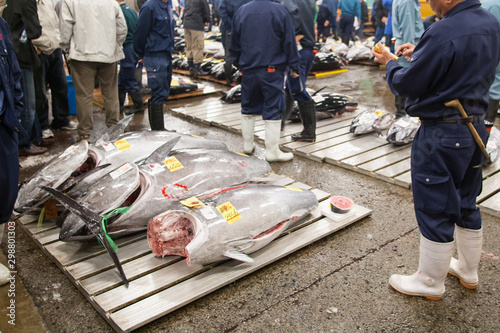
(237, 254)
(235, 249)
(114, 131)
(158, 156)
(73, 181)
(93, 222)
(318, 91)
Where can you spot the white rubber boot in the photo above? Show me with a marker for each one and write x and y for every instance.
(247, 128)
(273, 152)
(4, 275)
(433, 267)
(469, 247)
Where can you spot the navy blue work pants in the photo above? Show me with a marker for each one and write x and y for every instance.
(126, 76)
(445, 184)
(9, 171)
(159, 70)
(306, 62)
(262, 93)
(346, 27)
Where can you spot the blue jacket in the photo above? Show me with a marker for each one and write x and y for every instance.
(407, 25)
(455, 58)
(227, 9)
(351, 8)
(263, 35)
(493, 6)
(155, 29)
(332, 7)
(10, 81)
(388, 25)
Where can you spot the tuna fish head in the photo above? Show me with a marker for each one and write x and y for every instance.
(232, 223)
(52, 175)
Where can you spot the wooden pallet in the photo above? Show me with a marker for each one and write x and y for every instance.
(368, 154)
(159, 286)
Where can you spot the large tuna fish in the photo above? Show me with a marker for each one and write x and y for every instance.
(403, 130)
(159, 182)
(228, 223)
(110, 149)
(371, 120)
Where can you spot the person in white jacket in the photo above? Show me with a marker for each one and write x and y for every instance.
(93, 32)
(51, 72)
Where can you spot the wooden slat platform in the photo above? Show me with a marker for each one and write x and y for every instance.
(159, 286)
(368, 154)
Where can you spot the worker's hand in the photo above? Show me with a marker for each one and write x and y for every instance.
(327, 23)
(381, 54)
(338, 18)
(294, 74)
(405, 50)
(384, 20)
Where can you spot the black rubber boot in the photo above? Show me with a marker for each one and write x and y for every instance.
(121, 98)
(308, 116)
(197, 71)
(287, 111)
(155, 113)
(137, 98)
(399, 102)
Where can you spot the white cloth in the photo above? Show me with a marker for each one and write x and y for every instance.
(92, 30)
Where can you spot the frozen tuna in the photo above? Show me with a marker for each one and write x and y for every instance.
(228, 223)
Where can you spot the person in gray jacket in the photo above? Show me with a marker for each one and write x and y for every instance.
(196, 16)
(93, 52)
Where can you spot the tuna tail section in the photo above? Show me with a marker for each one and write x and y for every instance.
(93, 222)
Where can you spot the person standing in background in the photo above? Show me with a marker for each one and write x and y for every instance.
(332, 7)
(263, 58)
(51, 72)
(154, 43)
(493, 6)
(126, 78)
(196, 17)
(381, 14)
(407, 27)
(349, 9)
(303, 13)
(22, 17)
(227, 9)
(93, 52)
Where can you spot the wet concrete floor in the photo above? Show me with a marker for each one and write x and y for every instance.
(338, 284)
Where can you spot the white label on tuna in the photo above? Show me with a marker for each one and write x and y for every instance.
(318, 98)
(108, 146)
(118, 172)
(208, 212)
(155, 168)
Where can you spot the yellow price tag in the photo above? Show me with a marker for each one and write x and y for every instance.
(293, 188)
(379, 113)
(192, 202)
(173, 164)
(174, 83)
(122, 145)
(229, 213)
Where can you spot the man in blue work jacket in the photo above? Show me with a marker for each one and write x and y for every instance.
(227, 8)
(303, 13)
(154, 43)
(263, 58)
(455, 59)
